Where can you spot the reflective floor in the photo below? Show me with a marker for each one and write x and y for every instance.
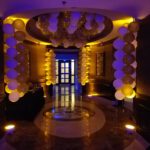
(69, 121)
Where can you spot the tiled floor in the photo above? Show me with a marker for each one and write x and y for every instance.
(98, 126)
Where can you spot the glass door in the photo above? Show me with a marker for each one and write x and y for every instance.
(64, 72)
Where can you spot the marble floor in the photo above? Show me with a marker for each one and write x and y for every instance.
(71, 122)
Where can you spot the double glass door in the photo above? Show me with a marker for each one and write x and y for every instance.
(64, 72)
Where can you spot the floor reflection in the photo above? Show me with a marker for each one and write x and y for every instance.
(67, 105)
(65, 97)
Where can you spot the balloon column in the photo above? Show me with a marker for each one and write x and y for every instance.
(50, 67)
(16, 59)
(84, 65)
(125, 62)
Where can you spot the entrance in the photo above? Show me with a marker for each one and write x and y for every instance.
(65, 71)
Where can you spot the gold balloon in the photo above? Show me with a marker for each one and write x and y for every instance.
(19, 24)
(21, 79)
(19, 35)
(23, 88)
(132, 95)
(21, 58)
(47, 59)
(127, 79)
(128, 48)
(6, 80)
(48, 78)
(133, 27)
(47, 54)
(7, 90)
(129, 37)
(48, 82)
(20, 47)
(8, 21)
(21, 94)
(127, 90)
(128, 69)
(128, 59)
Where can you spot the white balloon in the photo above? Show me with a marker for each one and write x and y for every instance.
(52, 29)
(88, 26)
(79, 45)
(99, 18)
(119, 54)
(118, 83)
(71, 29)
(122, 31)
(11, 41)
(75, 16)
(134, 75)
(12, 74)
(14, 96)
(101, 27)
(8, 29)
(66, 44)
(133, 85)
(54, 43)
(89, 17)
(11, 52)
(134, 53)
(119, 95)
(118, 65)
(53, 19)
(134, 64)
(118, 44)
(119, 74)
(37, 25)
(12, 84)
(134, 43)
(11, 63)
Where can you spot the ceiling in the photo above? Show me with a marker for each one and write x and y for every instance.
(113, 9)
(135, 8)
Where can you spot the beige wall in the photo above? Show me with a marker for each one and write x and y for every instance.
(36, 58)
(96, 81)
(108, 49)
(92, 70)
(108, 70)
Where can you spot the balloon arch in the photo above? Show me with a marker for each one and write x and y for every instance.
(17, 61)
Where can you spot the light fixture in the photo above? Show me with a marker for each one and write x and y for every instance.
(70, 28)
(9, 127)
(130, 128)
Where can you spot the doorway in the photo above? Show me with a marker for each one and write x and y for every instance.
(65, 71)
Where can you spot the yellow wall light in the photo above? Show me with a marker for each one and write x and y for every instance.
(123, 22)
(130, 127)
(9, 127)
